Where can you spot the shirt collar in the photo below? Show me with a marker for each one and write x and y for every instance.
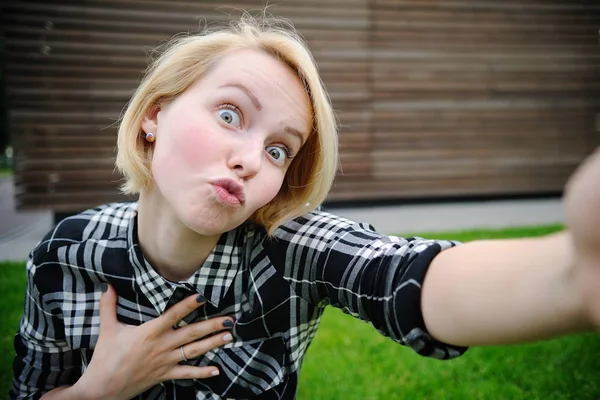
(213, 279)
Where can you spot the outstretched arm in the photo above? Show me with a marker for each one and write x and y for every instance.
(506, 291)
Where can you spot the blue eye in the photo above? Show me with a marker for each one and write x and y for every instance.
(277, 153)
(230, 117)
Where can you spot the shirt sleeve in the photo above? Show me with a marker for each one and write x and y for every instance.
(374, 277)
(44, 359)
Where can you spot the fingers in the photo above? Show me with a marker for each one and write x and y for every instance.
(189, 336)
(196, 349)
(191, 372)
(176, 313)
(108, 308)
(198, 330)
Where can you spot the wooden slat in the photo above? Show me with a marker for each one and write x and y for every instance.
(435, 98)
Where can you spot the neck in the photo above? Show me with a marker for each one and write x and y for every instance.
(173, 250)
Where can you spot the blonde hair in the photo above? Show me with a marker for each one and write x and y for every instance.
(185, 60)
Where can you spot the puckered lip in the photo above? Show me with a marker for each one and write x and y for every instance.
(232, 187)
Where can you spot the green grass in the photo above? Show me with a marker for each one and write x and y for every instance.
(348, 360)
(12, 287)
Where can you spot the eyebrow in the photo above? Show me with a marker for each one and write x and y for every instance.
(259, 107)
(248, 92)
(295, 132)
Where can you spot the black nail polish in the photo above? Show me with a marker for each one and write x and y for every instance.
(103, 287)
(200, 299)
(227, 323)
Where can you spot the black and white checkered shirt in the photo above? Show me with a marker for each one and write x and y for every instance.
(275, 288)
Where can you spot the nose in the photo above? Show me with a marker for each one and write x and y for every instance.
(246, 158)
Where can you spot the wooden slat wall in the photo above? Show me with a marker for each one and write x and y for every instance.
(478, 97)
(436, 98)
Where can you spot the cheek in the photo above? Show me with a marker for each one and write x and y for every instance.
(268, 190)
(197, 148)
(189, 147)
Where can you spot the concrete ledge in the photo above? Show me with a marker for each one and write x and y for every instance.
(458, 216)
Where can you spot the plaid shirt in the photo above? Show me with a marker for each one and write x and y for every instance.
(275, 288)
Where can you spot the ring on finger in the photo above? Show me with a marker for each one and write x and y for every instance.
(184, 358)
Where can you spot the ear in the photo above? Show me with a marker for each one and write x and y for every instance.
(150, 121)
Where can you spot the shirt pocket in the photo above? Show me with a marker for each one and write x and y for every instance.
(247, 369)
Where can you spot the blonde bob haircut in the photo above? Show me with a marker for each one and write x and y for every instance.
(186, 59)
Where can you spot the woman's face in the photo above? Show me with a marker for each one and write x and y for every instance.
(223, 146)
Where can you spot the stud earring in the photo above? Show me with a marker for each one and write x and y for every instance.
(150, 137)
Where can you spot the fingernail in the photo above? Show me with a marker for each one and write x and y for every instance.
(103, 287)
(227, 338)
(215, 372)
(200, 299)
(227, 323)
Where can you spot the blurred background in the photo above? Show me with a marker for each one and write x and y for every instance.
(437, 99)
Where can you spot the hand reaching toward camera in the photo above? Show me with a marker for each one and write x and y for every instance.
(582, 204)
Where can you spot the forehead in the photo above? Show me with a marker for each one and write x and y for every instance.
(269, 78)
(254, 64)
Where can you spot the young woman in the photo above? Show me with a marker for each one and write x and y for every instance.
(212, 284)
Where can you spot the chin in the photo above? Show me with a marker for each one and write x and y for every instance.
(211, 226)
(205, 226)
